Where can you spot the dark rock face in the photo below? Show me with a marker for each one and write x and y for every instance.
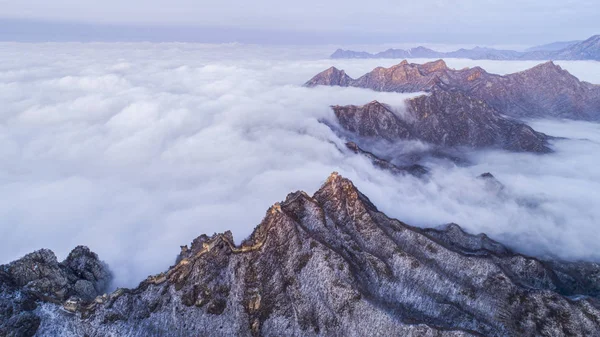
(414, 169)
(333, 265)
(545, 90)
(81, 274)
(373, 120)
(446, 118)
(40, 277)
(454, 119)
(91, 275)
(574, 50)
(491, 183)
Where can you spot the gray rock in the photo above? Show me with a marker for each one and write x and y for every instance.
(39, 278)
(91, 275)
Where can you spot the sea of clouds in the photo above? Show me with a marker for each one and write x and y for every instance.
(136, 149)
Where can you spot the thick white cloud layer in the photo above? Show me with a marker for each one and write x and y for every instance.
(135, 149)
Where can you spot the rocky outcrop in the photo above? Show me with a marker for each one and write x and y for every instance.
(332, 264)
(574, 50)
(545, 90)
(39, 277)
(445, 118)
(491, 183)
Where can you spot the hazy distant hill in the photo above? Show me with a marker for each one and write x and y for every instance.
(572, 50)
(585, 50)
(554, 46)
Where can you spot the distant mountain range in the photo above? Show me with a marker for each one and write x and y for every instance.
(554, 46)
(572, 50)
(330, 264)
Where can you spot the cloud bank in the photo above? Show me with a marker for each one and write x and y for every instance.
(135, 149)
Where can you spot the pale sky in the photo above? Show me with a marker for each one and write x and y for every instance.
(276, 21)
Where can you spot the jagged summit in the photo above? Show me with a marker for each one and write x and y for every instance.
(330, 76)
(334, 184)
(546, 66)
(39, 278)
(332, 264)
(334, 76)
(337, 185)
(434, 66)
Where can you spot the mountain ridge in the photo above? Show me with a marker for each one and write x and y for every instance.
(333, 264)
(545, 90)
(444, 118)
(588, 49)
